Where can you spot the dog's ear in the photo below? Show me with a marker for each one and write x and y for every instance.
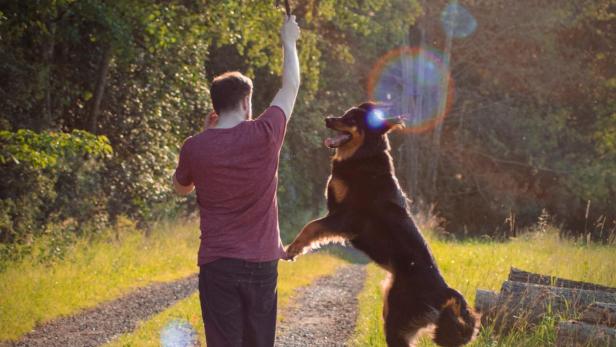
(396, 124)
(367, 106)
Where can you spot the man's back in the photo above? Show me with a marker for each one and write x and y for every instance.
(233, 168)
(235, 175)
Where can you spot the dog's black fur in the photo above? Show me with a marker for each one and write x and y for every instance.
(367, 207)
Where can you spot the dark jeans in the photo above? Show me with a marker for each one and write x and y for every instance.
(238, 302)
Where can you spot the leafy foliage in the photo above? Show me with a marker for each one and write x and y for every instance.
(34, 167)
(531, 121)
(42, 150)
(532, 125)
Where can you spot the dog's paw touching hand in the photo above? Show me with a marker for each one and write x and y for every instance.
(291, 252)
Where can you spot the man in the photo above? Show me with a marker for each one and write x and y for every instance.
(233, 165)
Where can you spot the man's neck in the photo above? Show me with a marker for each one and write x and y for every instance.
(230, 119)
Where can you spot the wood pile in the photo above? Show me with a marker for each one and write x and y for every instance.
(586, 311)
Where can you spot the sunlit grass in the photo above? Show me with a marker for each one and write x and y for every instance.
(476, 264)
(291, 276)
(92, 272)
(369, 328)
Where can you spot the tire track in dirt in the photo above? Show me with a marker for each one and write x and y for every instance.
(100, 324)
(324, 313)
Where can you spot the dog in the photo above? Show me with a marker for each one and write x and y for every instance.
(368, 209)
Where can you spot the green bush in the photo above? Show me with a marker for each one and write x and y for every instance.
(35, 167)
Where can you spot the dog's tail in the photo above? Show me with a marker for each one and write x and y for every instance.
(456, 324)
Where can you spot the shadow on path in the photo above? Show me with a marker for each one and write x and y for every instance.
(348, 253)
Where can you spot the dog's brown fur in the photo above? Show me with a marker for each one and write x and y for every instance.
(368, 208)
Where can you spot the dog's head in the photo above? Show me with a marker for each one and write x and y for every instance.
(457, 324)
(364, 125)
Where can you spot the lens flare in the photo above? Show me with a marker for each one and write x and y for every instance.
(376, 119)
(178, 333)
(415, 83)
(457, 21)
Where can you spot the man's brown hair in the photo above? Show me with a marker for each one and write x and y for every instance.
(228, 90)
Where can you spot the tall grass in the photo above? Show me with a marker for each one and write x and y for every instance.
(90, 272)
(473, 264)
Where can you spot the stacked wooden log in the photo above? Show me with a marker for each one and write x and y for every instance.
(587, 311)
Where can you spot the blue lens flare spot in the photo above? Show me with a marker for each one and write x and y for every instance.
(178, 333)
(414, 83)
(457, 21)
(375, 119)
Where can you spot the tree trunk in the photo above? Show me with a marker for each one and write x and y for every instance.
(411, 107)
(99, 90)
(600, 313)
(518, 275)
(574, 334)
(46, 117)
(442, 109)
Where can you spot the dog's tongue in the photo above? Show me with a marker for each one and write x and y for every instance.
(333, 142)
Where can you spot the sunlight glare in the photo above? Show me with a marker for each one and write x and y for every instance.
(178, 333)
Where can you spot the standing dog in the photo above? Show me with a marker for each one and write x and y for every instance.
(368, 208)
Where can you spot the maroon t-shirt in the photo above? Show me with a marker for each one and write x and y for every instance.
(235, 172)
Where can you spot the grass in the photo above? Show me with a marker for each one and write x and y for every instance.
(476, 264)
(91, 272)
(32, 292)
(291, 276)
(369, 325)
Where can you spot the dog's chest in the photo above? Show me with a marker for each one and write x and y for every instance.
(338, 188)
(352, 191)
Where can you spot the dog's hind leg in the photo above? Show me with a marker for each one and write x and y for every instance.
(396, 334)
(403, 314)
(320, 231)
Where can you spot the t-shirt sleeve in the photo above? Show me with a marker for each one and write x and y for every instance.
(182, 172)
(273, 124)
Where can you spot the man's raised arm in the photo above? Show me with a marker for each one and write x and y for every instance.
(285, 98)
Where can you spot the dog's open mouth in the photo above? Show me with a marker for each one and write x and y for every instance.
(338, 140)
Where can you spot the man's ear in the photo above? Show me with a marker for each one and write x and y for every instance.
(246, 103)
(247, 106)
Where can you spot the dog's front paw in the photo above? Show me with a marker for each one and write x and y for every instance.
(292, 251)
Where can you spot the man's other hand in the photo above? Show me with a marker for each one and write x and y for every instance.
(182, 189)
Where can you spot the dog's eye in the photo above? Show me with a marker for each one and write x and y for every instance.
(351, 121)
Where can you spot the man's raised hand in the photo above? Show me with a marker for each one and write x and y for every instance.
(290, 31)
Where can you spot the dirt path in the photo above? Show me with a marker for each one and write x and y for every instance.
(98, 325)
(324, 312)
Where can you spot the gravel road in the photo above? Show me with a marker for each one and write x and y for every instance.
(98, 325)
(323, 313)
